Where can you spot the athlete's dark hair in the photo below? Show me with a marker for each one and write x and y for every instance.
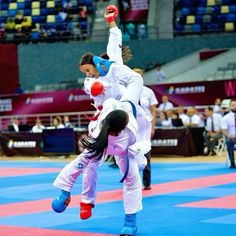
(87, 58)
(114, 123)
(125, 51)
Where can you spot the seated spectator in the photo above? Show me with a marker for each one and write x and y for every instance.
(10, 25)
(163, 120)
(43, 33)
(165, 105)
(19, 89)
(228, 126)
(193, 119)
(14, 126)
(57, 122)
(181, 113)
(2, 32)
(67, 123)
(38, 127)
(26, 25)
(213, 130)
(18, 18)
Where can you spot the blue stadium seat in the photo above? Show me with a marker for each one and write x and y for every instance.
(27, 12)
(187, 3)
(20, 5)
(226, 2)
(34, 35)
(216, 10)
(231, 17)
(185, 11)
(201, 10)
(202, 3)
(4, 6)
(213, 27)
(35, 19)
(11, 12)
(223, 18)
(196, 28)
(43, 11)
(198, 19)
(232, 8)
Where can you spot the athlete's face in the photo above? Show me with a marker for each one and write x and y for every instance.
(89, 70)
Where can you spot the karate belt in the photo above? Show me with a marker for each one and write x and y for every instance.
(126, 156)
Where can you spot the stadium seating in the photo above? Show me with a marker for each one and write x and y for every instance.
(45, 13)
(204, 16)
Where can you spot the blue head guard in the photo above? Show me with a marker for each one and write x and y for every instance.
(100, 63)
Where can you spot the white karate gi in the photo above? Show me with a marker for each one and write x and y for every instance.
(128, 143)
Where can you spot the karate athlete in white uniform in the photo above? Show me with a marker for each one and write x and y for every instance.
(118, 124)
(126, 77)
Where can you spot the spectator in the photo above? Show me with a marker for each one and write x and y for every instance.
(38, 127)
(18, 18)
(160, 74)
(148, 102)
(213, 130)
(193, 120)
(2, 32)
(228, 126)
(67, 123)
(83, 21)
(165, 105)
(57, 122)
(182, 115)
(43, 33)
(19, 89)
(217, 106)
(163, 119)
(10, 25)
(14, 126)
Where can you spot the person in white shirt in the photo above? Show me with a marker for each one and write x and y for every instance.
(148, 102)
(165, 105)
(217, 106)
(213, 130)
(38, 127)
(193, 119)
(160, 74)
(228, 126)
(182, 115)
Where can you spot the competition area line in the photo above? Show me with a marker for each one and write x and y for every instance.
(43, 205)
(226, 202)
(27, 231)
(9, 172)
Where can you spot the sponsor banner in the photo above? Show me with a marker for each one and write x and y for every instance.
(196, 93)
(133, 10)
(181, 94)
(21, 143)
(48, 102)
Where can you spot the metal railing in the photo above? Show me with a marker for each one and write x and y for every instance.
(78, 119)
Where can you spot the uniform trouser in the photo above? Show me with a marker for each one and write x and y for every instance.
(230, 149)
(69, 174)
(132, 187)
(211, 142)
(147, 171)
